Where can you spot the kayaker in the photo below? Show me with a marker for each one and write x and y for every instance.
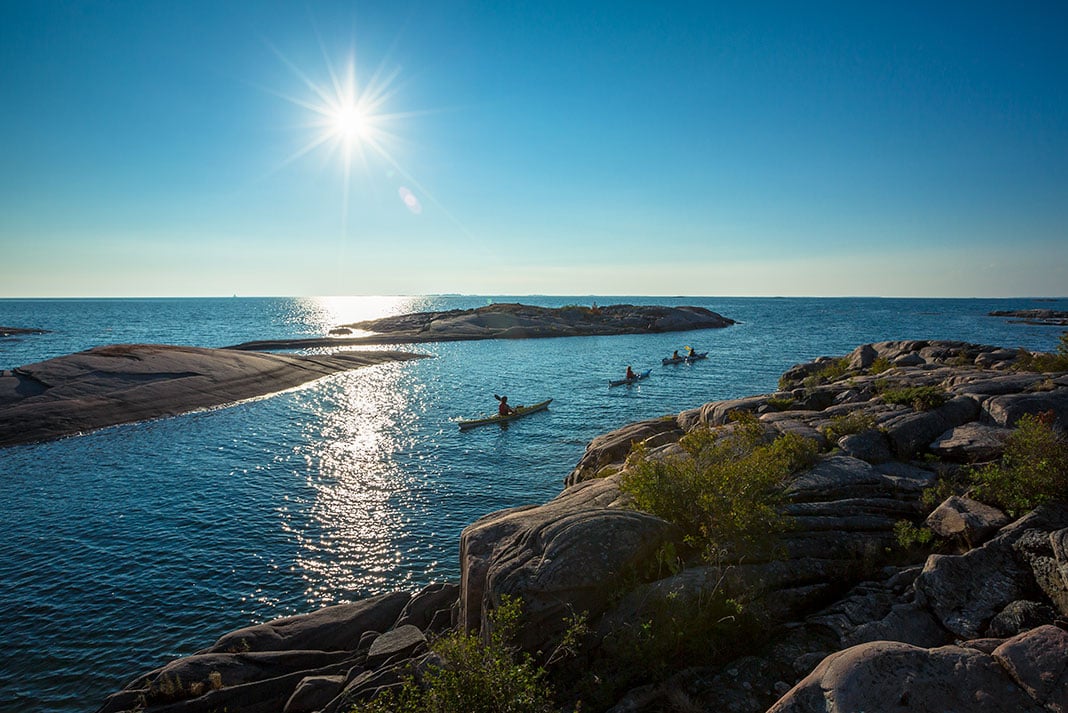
(675, 354)
(630, 374)
(503, 409)
(689, 352)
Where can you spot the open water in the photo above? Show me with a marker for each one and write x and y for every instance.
(127, 547)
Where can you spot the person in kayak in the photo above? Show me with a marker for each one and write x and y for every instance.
(675, 354)
(630, 374)
(503, 409)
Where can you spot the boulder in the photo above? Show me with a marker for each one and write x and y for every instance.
(1006, 410)
(965, 591)
(891, 676)
(1037, 661)
(718, 413)
(967, 520)
(1020, 616)
(403, 642)
(426, 606)
(236, 669)
(335, 628)
(613, 447)
(911, 433)
(493, 538)
(869, 445)
(1035, 547)
(862, 357)
(564, 565)
(971, 443)
(313, 693)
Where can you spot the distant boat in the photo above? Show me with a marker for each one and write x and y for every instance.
(517, 412)
(637, 377)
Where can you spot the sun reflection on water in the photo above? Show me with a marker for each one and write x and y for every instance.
(350, 544)
(322, 314)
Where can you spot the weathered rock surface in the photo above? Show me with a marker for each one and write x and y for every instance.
(891, 676)
(124, 383)
(513, 321)
(849, 620)
(971, 443)
(965, 519)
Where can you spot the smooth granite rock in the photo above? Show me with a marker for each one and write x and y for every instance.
(124, 383)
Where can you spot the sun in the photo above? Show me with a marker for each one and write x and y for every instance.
(350, 123)
(347, 115)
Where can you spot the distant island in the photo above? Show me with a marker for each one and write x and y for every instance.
(510, 321)
(12, 331)
(1055, 318)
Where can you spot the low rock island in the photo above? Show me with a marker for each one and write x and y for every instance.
(511, 321)
(1050, 317)
(124, 383)
(15, 331)
(849, 614)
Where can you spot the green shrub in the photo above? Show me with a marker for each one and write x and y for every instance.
(880, 365)
(1033, 468)
(847, 424)
(725, 493)
(921, 398)
(909, 536)
(476, 677)
(1057, 361)
(834, 370)
(781, 404)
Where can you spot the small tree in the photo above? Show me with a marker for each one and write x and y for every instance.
(475, 676)
(1033, 469)
(726, 492)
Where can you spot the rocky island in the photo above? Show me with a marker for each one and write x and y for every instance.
(884, 568)
(124, 383)
(1057, 318)
(510, 321)
(16, 331)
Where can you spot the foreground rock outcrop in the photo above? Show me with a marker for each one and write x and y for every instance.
(124, 383)
(511, 321)
(848, 617)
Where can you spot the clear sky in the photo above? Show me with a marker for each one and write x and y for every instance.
(705, 148)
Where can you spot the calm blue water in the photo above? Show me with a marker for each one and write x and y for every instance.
(127, 547)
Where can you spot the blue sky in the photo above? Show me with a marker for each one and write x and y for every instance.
(896, 149)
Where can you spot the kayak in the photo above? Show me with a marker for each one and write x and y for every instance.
(688, 359)
(517, 412)
(637, 377)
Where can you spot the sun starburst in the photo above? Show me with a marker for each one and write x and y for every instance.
(348, 117)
